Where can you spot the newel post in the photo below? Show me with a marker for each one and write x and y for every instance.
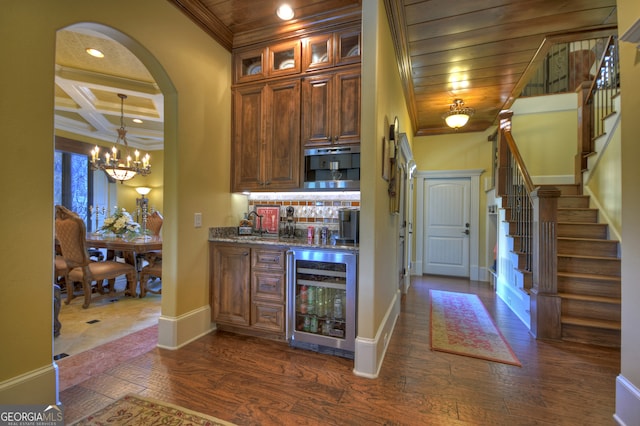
(502, 162)
(545, 302)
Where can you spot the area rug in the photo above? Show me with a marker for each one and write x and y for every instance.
(136, 410)
(460, 324)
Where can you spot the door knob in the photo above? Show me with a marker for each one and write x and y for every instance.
(466, 231)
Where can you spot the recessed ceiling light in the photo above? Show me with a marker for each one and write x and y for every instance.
(285, 12)
(94, 52)
(137, 120)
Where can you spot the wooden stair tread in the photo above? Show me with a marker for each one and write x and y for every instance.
(583, 223)
(587, 322)
(587, 298)
(582, 256)
(587, 240)
(590, 276)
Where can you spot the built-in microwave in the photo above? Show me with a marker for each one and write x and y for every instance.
(332, 168)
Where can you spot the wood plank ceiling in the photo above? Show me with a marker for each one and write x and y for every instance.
(478, 51)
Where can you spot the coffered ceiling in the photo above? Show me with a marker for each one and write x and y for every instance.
(479, 51)
(87, 88)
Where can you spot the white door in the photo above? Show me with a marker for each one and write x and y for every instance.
(447, 227)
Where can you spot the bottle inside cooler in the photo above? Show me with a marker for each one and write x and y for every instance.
(320, 298)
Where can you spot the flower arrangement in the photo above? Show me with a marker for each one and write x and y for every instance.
(121, 223)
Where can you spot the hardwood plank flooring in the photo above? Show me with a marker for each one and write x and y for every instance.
(252, 381)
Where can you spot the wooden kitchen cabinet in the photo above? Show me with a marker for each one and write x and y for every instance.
(268, 290)
(266, 62)
(330, 50)
(248, 289)
(230, 284)
(266, 149)
(331, 108)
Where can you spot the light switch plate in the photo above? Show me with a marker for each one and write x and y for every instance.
(197, 220)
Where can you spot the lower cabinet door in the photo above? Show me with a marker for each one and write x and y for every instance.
(267, 316)
(231, 284)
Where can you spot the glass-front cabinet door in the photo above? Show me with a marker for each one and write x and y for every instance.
(284, 58)
(318, 52)
(348, 47)
(249, 65)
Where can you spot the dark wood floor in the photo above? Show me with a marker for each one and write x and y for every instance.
(251, 381)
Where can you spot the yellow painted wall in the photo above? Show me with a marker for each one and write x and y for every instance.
(547, 141)
(378, 279)
(604, 184)
(194, 73)
(629, 14)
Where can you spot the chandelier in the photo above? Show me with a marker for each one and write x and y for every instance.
(113, 163)
(458, 114)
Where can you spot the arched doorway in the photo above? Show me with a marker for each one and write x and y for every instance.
(87, 112)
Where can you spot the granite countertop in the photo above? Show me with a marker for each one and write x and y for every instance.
(230, 235)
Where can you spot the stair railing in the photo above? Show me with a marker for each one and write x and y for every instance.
(515, 187)
(532, 213)
(604, 88)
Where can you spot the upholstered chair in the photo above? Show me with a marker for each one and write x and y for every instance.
(71, 235)
(151, 270)
(154, 222)
(60, 267)
(153, 258)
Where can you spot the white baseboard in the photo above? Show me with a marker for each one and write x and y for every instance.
(175, 332)
(34, 387)
(369, 353)
(627, 402)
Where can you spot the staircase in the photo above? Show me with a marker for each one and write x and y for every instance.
(555, 222)
(588, 273)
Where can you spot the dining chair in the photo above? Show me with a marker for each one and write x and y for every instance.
(151, 270)
(154, 222)
(152, 258)
(71, 234)
(60, 268)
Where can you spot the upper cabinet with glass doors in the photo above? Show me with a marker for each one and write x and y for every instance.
(329, 50)
(316, 52)
(270, 61)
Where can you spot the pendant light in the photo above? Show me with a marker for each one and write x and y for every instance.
(116, 165)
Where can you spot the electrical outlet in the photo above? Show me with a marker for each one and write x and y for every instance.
(197, 220)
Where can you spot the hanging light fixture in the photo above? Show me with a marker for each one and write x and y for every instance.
(114, 164)
(458, 114)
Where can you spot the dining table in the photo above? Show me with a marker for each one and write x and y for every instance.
(129, 247)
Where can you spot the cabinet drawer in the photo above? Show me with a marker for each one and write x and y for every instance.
(268, 286)
(270, 259)
(267, 316)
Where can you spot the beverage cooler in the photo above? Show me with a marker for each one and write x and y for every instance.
(321, 300)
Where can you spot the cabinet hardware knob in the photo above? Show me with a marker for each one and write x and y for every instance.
(245, 253)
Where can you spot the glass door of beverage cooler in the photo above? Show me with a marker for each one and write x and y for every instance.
(321, 299)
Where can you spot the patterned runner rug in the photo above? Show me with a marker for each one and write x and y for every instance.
(136, 410)
(460, 324)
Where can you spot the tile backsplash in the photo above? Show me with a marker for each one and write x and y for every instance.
(310, 208)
